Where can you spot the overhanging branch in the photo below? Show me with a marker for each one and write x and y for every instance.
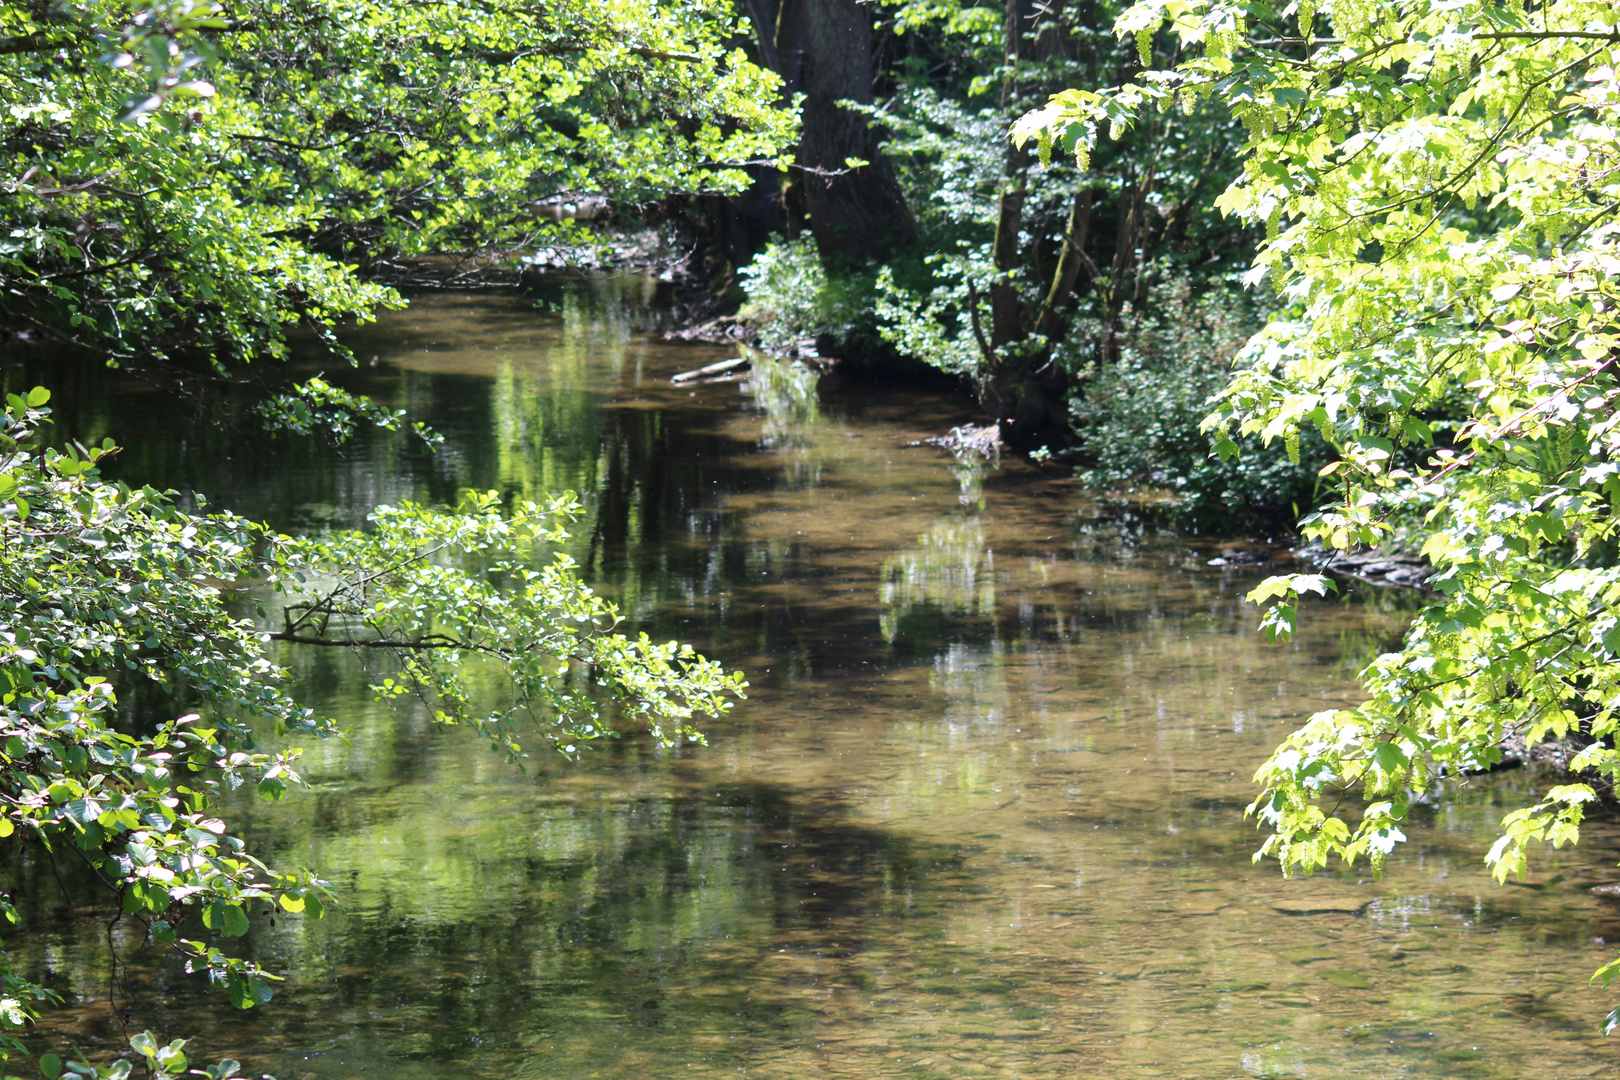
(433, 641)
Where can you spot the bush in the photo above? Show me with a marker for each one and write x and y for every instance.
(1140, 416)
(792, 301)
(101, 583)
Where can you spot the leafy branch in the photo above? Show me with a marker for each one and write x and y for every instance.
(97, 578)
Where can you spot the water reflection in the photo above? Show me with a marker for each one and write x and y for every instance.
(949, 575)
(786, 392)
(980, 817)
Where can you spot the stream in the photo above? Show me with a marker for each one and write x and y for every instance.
(981, 814)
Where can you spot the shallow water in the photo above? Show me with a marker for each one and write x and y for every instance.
(980, 816)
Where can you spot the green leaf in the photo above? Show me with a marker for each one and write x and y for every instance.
(1390, 757)
(234, 921)
(248, 991)
(171, 1058)
(50, 1065)
(1611, 640)
(1417, 430)
(1282, 585)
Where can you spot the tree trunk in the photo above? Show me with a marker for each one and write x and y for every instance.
(1020, 390)
(856, 213)
(823, 48)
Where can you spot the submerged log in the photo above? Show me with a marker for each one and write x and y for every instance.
(709, 372)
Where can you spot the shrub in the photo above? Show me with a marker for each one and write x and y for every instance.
(793, 301)
(1140, 416)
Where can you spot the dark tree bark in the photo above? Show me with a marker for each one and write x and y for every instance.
(823, 49)
(856, 214)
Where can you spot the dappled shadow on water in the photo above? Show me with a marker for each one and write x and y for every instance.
(982, 814)
(703, 906)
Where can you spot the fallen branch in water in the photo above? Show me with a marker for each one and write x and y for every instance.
(721, 368)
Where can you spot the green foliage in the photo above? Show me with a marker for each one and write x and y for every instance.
(950, 157)
(97, 582)
(181, 178)
(1439, 183)
(791, 297)
(980, 25)
(1034, 275)
(950, 152)
(436, 590)
(317, 405)
(101, 584)
(931, 320)
(162, 1062)
(1141, 416)
(953, 151)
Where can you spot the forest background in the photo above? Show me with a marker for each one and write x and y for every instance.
(1378, 241)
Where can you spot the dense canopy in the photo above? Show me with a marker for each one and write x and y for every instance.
(180, 178)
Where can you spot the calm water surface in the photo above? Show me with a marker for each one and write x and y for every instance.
(980, 816)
